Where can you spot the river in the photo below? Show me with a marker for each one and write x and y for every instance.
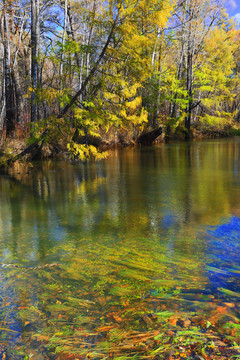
(142, 245)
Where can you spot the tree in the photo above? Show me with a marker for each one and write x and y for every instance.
(216, 80)
(192, 20)
(13, 22)
(35, 43)
(8, 90)
(117, 67)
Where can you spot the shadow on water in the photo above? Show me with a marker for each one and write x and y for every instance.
(143, 245)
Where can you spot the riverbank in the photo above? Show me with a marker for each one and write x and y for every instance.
(11, 147)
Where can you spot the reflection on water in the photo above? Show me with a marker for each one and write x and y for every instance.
(146, 228)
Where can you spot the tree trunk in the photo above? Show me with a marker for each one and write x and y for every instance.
(174, 108)
(63, 43)
(189, 87)
(35, 33)
(3, 99)
(190, 93)
(31, 149)
(149, 137)
(18, 93)
(8, 72)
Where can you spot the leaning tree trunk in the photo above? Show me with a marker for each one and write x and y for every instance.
(35, 145)
(149, 137)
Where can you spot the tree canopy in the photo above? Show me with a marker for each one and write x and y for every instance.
(74, 71)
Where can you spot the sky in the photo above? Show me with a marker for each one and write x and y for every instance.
(234, 9)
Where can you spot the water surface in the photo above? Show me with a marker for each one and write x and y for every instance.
(92, 253)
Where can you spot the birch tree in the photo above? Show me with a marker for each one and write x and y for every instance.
(9, 103)
(35, 43)
(193, 21)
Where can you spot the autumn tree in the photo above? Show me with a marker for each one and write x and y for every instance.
(113, 69)
(192, 21)
(216, 81)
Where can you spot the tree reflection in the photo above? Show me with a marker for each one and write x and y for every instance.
(127, 238)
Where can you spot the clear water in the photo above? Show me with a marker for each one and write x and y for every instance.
(89, 249)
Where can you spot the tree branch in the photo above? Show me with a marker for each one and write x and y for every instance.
(92, 72)
(34, 145)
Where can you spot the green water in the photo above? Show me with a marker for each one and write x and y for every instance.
(94, 253)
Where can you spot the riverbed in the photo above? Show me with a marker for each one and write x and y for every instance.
(136, 256)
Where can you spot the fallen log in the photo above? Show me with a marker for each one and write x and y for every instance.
(149, 137)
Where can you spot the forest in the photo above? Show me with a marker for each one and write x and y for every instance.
(81, 76)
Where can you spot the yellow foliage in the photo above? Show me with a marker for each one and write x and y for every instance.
(134, 104)
(130, 91)
(219, 120)
(85, 152)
